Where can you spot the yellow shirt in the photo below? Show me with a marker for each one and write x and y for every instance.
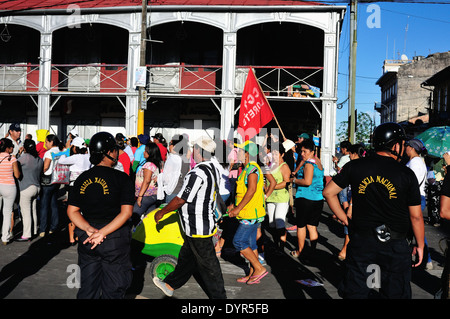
(255, 208)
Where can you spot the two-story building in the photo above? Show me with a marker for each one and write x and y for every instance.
(67, 65)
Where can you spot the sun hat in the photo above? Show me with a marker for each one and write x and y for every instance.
(288, 144)
(206, 144)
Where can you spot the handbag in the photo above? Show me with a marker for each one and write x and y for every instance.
(45, 179)
(61, 173)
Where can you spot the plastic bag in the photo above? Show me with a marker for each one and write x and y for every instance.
(60, 174)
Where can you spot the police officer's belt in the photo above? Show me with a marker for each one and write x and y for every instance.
(371, 233)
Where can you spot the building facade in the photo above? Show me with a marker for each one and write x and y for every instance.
(66, 66)
(403, 99)
(439, 88)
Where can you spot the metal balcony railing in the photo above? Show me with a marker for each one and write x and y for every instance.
(107, 78)
(171, 79)
(289, 81)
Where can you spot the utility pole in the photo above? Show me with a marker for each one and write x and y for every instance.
(142, 89)
(352, 72)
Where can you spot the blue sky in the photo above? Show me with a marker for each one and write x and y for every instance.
(428, 32)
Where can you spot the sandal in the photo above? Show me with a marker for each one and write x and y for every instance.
(294, 253)
(242, 279)
(218, 252)
(257, 278)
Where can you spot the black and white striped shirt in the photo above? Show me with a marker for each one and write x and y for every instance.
(197, 215)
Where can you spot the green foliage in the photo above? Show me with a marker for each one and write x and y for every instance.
(364, 127)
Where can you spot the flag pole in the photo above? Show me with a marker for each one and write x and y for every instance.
(274, 116)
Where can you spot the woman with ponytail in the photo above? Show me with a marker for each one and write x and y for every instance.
(29, 183)
(49, 196)
(9, 170)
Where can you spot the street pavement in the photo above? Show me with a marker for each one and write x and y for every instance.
(45, 268)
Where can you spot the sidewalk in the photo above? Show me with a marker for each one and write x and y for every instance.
(44, 269)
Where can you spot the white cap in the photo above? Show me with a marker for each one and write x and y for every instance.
(74, 132)
(288, 144)
(206, 143)
(78, 142)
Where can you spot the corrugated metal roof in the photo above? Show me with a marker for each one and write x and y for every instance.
(63, 4)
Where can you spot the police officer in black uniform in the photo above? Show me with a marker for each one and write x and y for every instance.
(100, 205)
(386, 206)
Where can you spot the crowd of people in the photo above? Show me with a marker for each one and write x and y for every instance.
(252, 181)
(115, 181)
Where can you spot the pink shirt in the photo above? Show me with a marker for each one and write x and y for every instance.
(6, 169)
(232, 157)
(152, 187)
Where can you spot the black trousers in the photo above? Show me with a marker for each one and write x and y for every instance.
(371, 263)
(198, 255)
(105, 270)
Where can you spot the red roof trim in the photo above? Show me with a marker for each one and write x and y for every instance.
(15, 5)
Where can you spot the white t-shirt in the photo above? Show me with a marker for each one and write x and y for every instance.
(344, 160)
(17, 145)
(78, 163)
(419, 168)
(48, 155)
(171, 174)
(224, 183)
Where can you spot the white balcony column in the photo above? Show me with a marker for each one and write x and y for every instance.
(329, 98)
(45, 71)
(228, 85)
(132, 104)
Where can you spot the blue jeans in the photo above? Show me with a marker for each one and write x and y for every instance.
(423, 204)
(49, 207)
(246, 237)
(147, 205)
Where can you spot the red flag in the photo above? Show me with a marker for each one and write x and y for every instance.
(255, 111)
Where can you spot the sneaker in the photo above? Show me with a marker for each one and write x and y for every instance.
(42, 234)
(429, 265)
(162, 285)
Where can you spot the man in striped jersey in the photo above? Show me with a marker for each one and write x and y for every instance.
(197, 202)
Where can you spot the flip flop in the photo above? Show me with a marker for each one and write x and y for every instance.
(257, 279)
(242, 279)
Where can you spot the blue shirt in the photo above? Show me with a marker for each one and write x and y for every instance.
(139, 157)
(313, 191)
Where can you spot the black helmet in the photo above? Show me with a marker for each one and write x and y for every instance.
(387, 134)
(102, 143)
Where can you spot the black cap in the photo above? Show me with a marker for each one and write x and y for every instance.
(120, 136)
(158, 136)
(15, 127)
